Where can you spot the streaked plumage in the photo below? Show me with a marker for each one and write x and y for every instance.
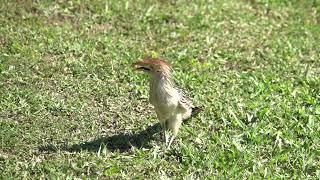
(171, 105)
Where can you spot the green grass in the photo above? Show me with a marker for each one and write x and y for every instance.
(71, 106)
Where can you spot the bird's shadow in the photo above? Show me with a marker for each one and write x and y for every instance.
(121, 142)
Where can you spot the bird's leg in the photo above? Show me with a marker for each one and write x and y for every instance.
(170, 142)
(164, 129)
(166, 135)
(174, 125)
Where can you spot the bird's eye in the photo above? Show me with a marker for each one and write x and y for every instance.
(145, 68)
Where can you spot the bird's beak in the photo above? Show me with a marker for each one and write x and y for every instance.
(141, 67)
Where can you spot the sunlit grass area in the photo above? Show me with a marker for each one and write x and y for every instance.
(72, 107)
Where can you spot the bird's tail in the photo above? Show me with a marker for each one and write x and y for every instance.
(195, 111)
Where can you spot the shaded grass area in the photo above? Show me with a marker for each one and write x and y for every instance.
(121, 142)
(70, 105)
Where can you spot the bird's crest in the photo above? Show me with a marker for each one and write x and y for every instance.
(155, 64)
(156, 61)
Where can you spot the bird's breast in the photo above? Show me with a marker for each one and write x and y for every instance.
(164, 98)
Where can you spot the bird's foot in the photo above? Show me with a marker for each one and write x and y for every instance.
(170, 142)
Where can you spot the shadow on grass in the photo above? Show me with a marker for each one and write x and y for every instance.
(121, 142)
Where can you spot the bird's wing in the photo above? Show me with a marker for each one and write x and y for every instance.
(184, 101)
(186, 104)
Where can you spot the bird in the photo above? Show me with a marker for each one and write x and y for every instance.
(171, 105)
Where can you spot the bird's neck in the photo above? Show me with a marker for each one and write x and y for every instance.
(162, 89)
(161, 85)
(161, 79)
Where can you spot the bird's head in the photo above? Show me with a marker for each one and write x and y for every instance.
(153, 66)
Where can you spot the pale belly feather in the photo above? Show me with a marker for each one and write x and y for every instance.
(164, 104)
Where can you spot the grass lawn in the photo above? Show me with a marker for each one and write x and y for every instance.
(72, 107)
